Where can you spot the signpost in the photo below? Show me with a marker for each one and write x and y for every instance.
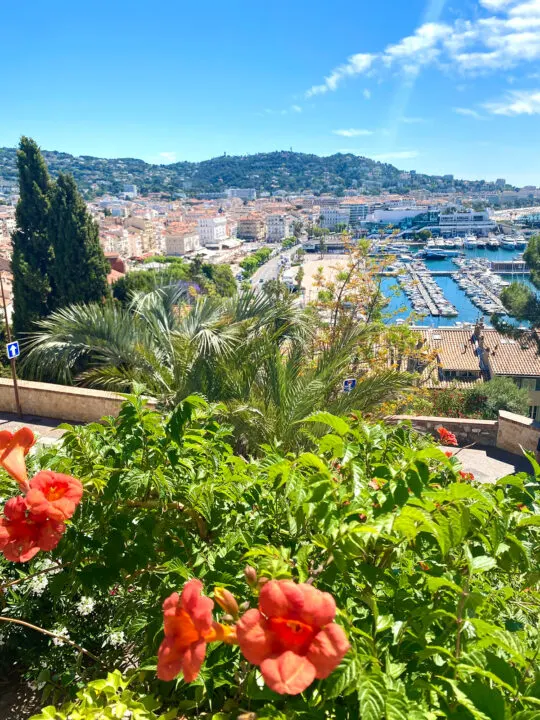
(13, 352)
(349, 384)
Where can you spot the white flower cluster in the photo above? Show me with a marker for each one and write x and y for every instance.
(86, 605)
(37, 584)
(116, 638)
(47, 563)
(60, 631)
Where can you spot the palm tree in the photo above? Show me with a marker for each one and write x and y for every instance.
(260, 357)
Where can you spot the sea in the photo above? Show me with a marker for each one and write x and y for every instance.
(400, 307)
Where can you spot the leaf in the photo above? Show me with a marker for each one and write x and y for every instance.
(337, 424)
(528, 521)
(482, 563)
(464, 700)
(343, 680)
(396, 706)
(436, 583)
(371, 694)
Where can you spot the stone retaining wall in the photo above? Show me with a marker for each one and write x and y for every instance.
(61, 402)
(510, 432)
(516, 432)
(467, 431)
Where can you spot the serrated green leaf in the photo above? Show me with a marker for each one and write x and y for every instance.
(371, 694)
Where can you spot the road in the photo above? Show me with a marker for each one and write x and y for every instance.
(270, 270)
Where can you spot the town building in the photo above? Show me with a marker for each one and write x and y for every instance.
(466, 221)
(278, 227)
(334, 216)
(242, 193)
(181, 240)
(212, 230)
(449, 357)
(252, 229)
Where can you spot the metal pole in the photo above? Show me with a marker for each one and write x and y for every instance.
(11, 360)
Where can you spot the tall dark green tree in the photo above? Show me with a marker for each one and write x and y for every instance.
(78, 268)
(31, 246)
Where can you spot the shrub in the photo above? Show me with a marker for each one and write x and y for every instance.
(434, 577)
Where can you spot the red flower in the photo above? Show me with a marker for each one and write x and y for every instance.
(446, 437)
(187, 620)
(466, 475)
(292, 636)
(53, 495)
(21, 536)
(449, 453)
(13, 450)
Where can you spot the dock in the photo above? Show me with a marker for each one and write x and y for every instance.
(433, 309)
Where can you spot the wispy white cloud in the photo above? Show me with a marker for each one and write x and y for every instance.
(367, 93)
(296, 108)
(356, 65)
(168, 156)
(508, 37)
(396, 155)
(468, 112)
(352, 132)
(517, 102)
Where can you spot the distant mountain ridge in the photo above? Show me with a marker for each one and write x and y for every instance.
(266, 172)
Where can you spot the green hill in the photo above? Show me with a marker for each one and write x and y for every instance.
(266, 172)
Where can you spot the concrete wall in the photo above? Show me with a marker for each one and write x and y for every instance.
(71, 404)
(467, 431)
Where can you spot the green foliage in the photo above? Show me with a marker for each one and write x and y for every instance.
(31, 246)
(520, 301)
(436, 580)
(256, 353)
(203, 277)
(289, 171)
(483, 400)
(78, 269)
(109, 698)
(250, 263)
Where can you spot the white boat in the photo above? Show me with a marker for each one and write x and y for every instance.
(508, 244)
(470, 242)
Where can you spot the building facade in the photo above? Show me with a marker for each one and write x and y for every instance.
(182, 242)
(212, 230)
(278, 227)
(251, 229)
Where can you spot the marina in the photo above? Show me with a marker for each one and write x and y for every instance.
(452, 288)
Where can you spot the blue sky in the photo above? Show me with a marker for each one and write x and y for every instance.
(440, 86)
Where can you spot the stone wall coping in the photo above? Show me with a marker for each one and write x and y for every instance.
(446, 420)
(518, 419)
(64, 389)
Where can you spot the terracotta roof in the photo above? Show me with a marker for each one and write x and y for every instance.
(454, 348)
(511, 357)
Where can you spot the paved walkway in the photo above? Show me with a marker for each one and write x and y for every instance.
(45, 429)
(489, 464)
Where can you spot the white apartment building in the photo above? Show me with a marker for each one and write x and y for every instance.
(466, 221)
(331, 217)
(242, 193)
(278, 227)
(212, 230)
(182, 242)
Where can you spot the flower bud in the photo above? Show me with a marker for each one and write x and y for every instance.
(250, 575)
(226, 601)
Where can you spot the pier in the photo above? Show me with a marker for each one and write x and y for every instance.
(433, 309)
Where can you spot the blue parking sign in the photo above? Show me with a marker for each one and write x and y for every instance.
(349, 384)
(13, 350)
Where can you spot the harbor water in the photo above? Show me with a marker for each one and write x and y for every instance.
(400, 306)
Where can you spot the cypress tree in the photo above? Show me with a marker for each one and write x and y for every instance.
(31, 247)
(79, 268)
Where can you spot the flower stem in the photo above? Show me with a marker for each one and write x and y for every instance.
(56, 568)
(15, 621)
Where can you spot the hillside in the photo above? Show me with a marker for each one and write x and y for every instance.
(266, 172)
